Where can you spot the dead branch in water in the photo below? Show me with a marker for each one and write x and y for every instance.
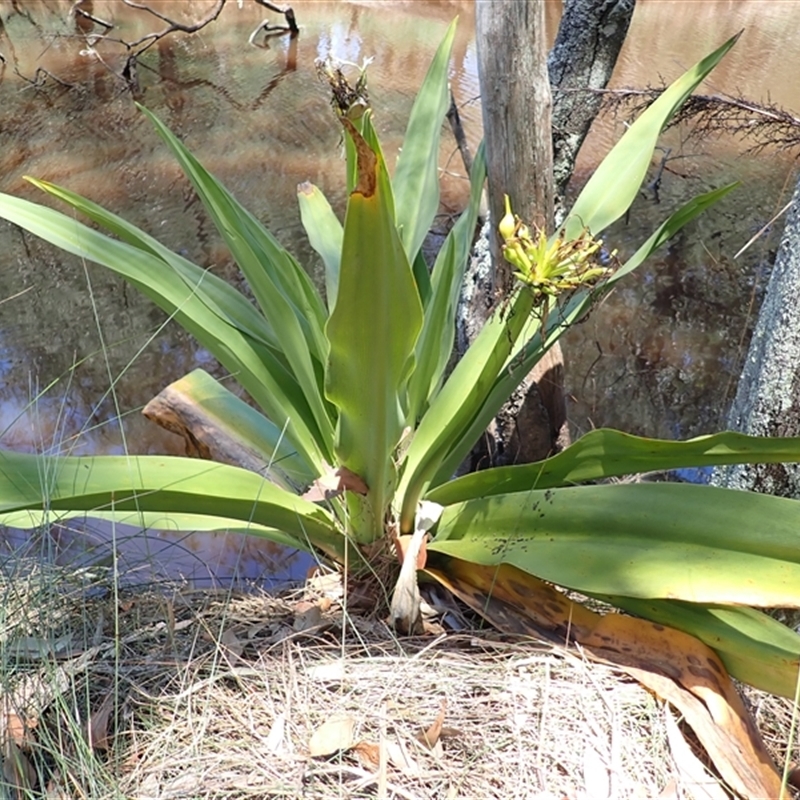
(138, 46)
(765, 124)
(172, 25)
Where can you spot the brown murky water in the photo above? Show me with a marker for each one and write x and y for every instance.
(660, 357)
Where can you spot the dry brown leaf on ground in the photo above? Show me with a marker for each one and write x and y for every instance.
(430, 737)
(307, 615)
(333, 736)
(13, 727)
(675, 666)
(670, 792)
(231, 642)
(97, 727)
(368, 754)
(321, 582)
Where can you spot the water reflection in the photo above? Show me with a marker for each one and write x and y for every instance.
(260, 119)
(659, 357)
(137, 557)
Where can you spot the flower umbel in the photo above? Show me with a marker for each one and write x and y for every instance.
(551, 267)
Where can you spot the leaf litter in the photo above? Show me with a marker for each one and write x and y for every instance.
(168, 692)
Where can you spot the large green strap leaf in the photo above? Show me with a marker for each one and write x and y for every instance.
(460, 399)
(416, 179)
(679, 541)
(161, 485)
(607, 453)
(529, 349)
(372, 333)
(225, 301)
(281, 287)
(325, 234)
(754, 647)
(615, 183)
(255, 366)
(435, 344)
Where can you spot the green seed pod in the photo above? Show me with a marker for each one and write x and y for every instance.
(508, 225)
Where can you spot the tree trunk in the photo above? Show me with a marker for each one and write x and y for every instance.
(589, 40)
(767, 400)
(516, 102)
(520, 144)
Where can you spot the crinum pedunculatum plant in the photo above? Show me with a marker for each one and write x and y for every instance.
(360, 426)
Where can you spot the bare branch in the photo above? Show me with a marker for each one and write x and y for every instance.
(40, 78)
(765, 124)
(172, 25)
(454, 118)
(288, 14)
(77, 11)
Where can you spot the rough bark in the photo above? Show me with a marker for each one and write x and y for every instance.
(767, 400)
(521, 146)
(589, 40)
(516, 103)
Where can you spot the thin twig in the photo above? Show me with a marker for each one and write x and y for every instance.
(767, 124)
(172, 25)
(454, 118)
(287, 12)
(78, 11)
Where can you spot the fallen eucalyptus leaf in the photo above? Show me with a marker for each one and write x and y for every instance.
(333, 736)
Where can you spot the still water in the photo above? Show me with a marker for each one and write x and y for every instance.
(80, 353)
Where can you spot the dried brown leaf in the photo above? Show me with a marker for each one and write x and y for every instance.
(231, 642)
(307, 615)
(334, 482)
(17, 769)
(324, 584)
(672, 664)
(332, 736)
(15, 729)
(669, 792)
(368, 754)
(97, 728)
(430, 737)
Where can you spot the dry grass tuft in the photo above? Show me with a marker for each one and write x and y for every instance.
(169, 694)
